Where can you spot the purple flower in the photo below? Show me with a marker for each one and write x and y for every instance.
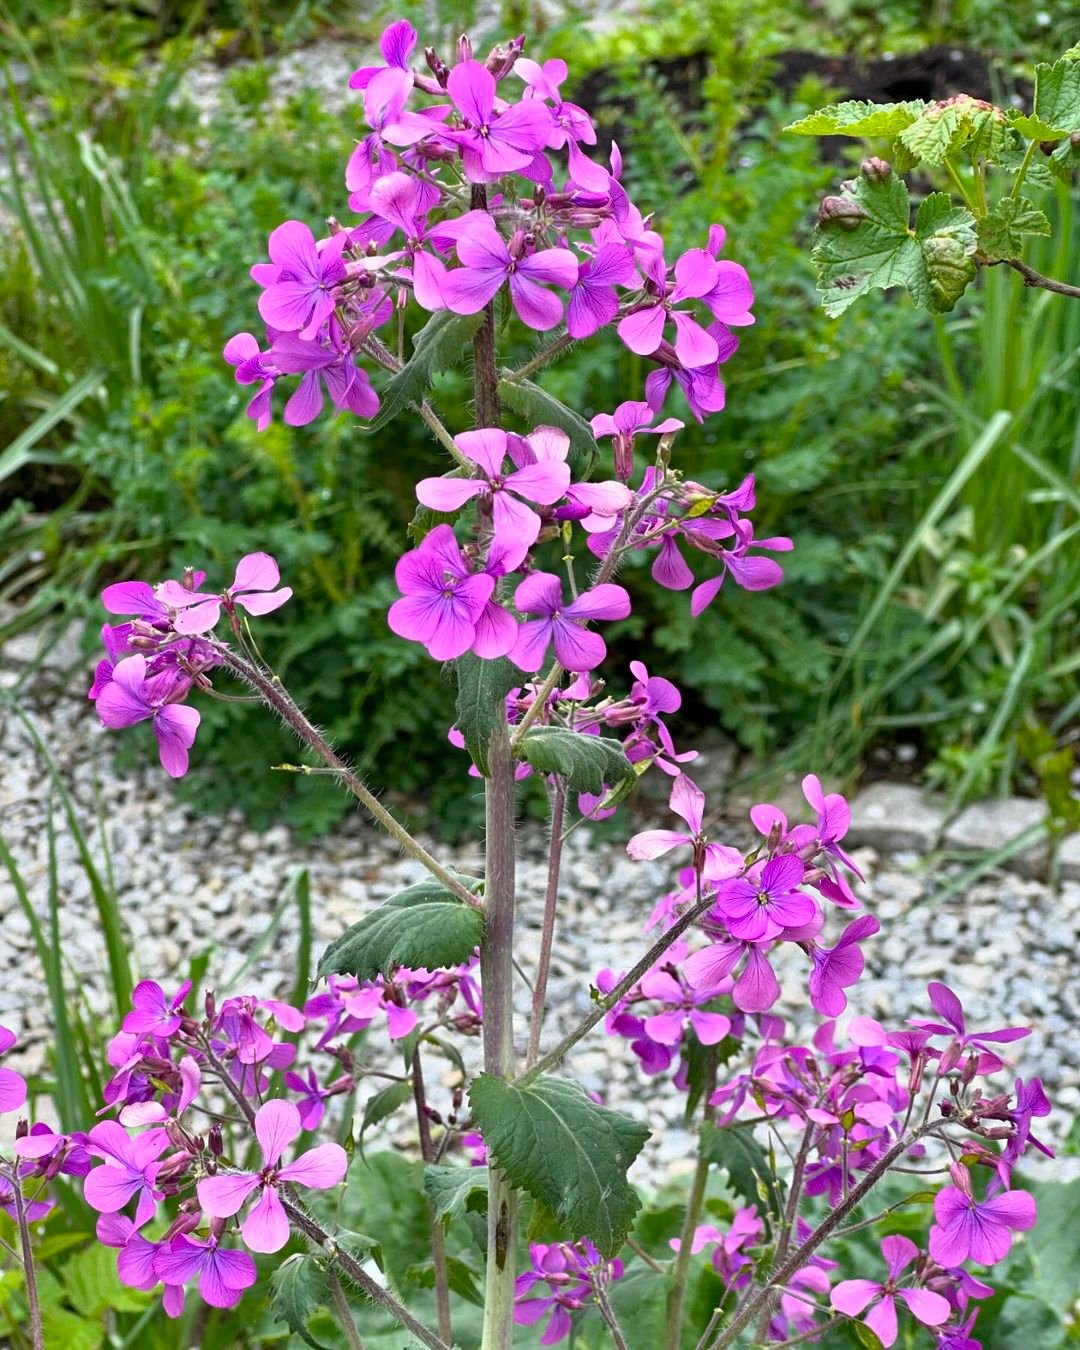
(153, 1012)
(575, 1273)
(681, 1007)
(835, 968)
(374, 998)
(266, 1227)
(643, 330)
(570, 123)
(949, 1009)
(516, 525)
(223, 1275)
(12, 1084)
(576, 648)
(299, 280)
(729, 1259)
(688, 802)
(852, 1296)
(330, 365)
(756, 989)
(968, 1231)
(312, 1105)
(627, 421)
(493, 143)
(487, 261)
(130, 697)
(135, 1264)
(403, 202)
(252, 367)
(767, 900)
(747, 570)
(396, 45)
(444, 604)
(182, 1085)
(593, 302)
(254, 588)
(130, 1169)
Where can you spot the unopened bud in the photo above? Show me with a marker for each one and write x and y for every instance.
(877, 170)
(217, 1147)
(437, 66)
(464, 48)
(22, 1128)
(210, 1004)
(335, 226)
(842, 212)
(1048, 147)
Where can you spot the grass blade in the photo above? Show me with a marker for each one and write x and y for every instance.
(18, 454)
(70, 1096)
(302, 893)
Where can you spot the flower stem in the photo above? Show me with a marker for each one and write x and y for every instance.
(438, 1244)
(541, 358)
(551, 899)
(277, 697)
(497, 986)
(695, 1200)
(33, 1304)
(755, 1305)
(344, 1312)
(604, 1005)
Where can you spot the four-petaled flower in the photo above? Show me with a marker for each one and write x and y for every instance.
(487, 261)
(576, 648)
(688, 802)
(266, 1225)
(967, 1230)
(299, 280)
(129, 697)
(223, 1275)
(950, 1010)
(493, 143)
(130, 1169)
(853, 1296)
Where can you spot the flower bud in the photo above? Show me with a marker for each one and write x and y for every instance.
(217, 1147)
(335, 226)
(840, 211)
(877, 170)
(464, 48)
(437, 66)
(210, 1005)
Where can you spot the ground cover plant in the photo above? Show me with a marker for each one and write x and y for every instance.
(870, 1188)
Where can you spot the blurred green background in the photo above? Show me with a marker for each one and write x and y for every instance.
(149, 149)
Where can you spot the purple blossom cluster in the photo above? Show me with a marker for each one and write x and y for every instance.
(576, 1276)
(156, 658)
(473, 178)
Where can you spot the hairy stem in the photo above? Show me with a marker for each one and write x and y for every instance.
(277, 697)
(791, 1211)
(33, 1304)
(537, 362)
(497, 985)
(605, 1005)
(618, 1340)
(344, 1312)
(438, 1243)
(547, 937)
(755, 1305)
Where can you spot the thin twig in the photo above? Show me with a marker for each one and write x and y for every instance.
(1033, 278)
(344, 1312)
(547, 937)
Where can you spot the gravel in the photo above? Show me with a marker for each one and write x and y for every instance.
(191, 884)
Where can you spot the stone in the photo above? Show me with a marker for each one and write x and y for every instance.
(894, 816)
(1068, 858)
(985, 827)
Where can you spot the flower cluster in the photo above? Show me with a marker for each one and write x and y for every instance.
(156, 658)
(488, 187)
(576, 1276)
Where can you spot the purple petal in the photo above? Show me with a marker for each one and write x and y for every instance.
(852, 1296)
(472, 88)
(266, 1225)
(539, 593)
(179, 1261)
(642, 331)
(277, 1124)
(576, 648)
(175, 727)
(538, 308)
(292, 246)
(223, 1196)
(606, 601)
(12, 1090)
(651, 844)
(108, 1188)
(466, 290)
(881, 1319)
(530, 648)
(756, 989)
(931, 1309)
(320, 1168)
(306, 401)
(256, 572)
(448, 494)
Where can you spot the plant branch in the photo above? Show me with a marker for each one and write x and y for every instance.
(438, 1243)
(344, 1312)
(1033, 278)
(277, 697)
(33, 1304)
(605, 1005)
(547, 936)
(541, 358)
(696, 1198)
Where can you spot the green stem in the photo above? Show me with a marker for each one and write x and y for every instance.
(1021, 174)
(541, 358)
(960, 186)
(33, 1305)
(547, 936)
(695, 1200)
(344, 1312)
(438, 1242)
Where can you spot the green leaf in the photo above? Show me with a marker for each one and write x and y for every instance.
(566, 1151)
(746, 1164)
(855, 118)
(451, 1190)
(424, 925)
(93, 1286)
(1056, 104)
(297, 1289)
(864, 242)
(639, 1302)
(461, 1279)
(586, 762)
(541, 409)
(1001, 231)
(481, 702)
(866, 1336)
(381, 1106)
(953, 124)
(438, 346)
(359, 1246)
(73, 1332)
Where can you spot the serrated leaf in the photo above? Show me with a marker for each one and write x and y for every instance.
(569, 1153)
(481, 702)
(875, 247)
(359, 1246)
(423, 925)
(438, 346)
(542, 409)
(1057, 99)
(744, 1160)
(297, 1289)
(381, 1107)
(93, 1286)
(856, 118)
(1001, 231)
(953, 124)
(451, 1190)
(586, 762)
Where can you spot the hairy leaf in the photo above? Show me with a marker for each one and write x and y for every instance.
(451, 1190)
(1057, 101)
(481, 702)
(540, 408)
(438, 346)
(1002, 230)
(871, 245)
(297, 1288)
(856, 118)
(424, 925)
(586, 762)
(742, 1157)
(566, 1151)
(953, 124)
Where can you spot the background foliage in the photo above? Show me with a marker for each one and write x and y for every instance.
(912, 613)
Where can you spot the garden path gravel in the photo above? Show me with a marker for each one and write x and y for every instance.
(189, 884)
